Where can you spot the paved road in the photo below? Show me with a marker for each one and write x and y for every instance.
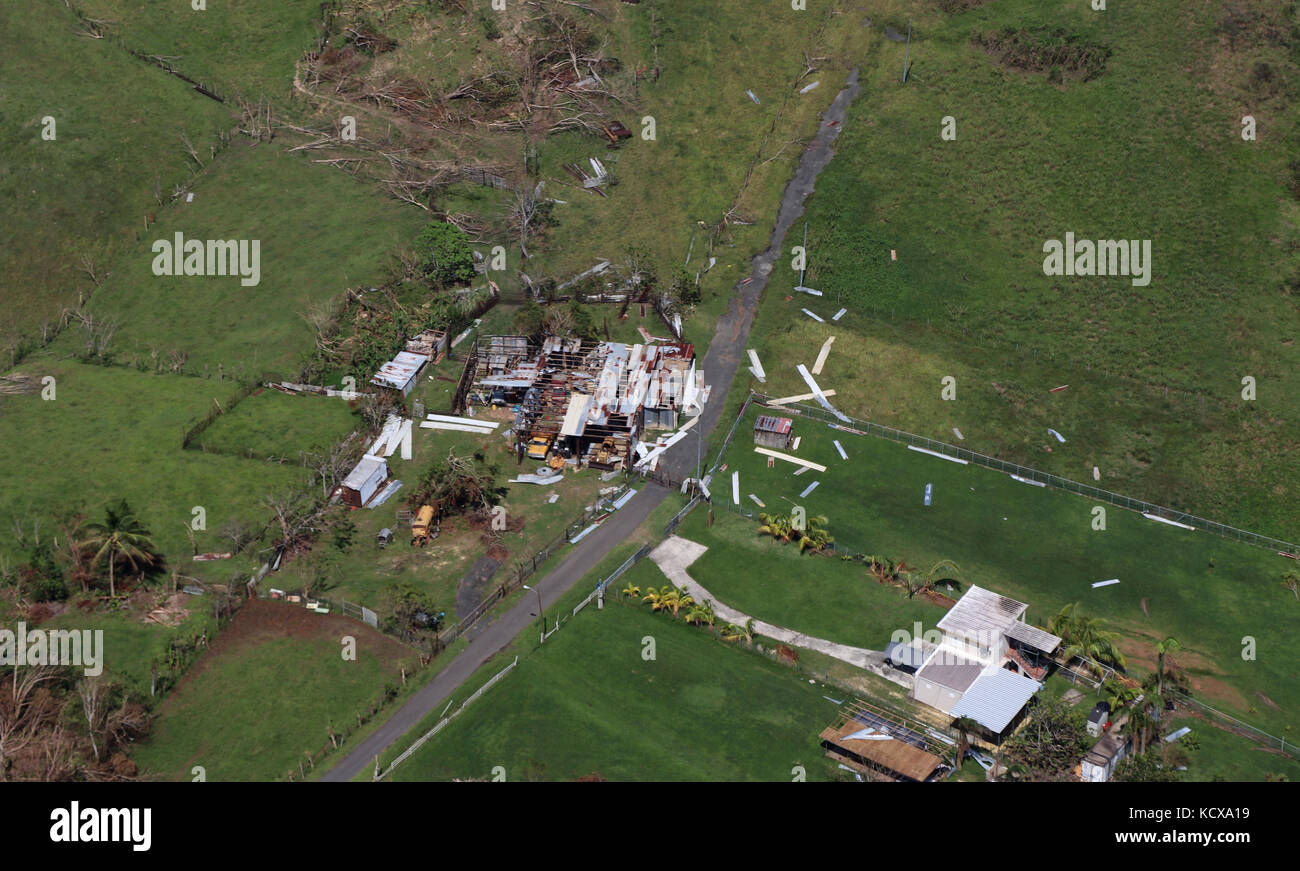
(719, 367)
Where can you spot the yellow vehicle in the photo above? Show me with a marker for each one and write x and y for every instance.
(420, 527)
(605, 451)
(538, 446)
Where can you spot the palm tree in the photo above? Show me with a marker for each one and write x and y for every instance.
(632, 591)
(1084, 637)
(943, 570)
(679, 599)
(1168, 645)
(701, 613)
(121, 536)
(814, 534)
(655, 597)
(774, 525)
(1139, 725)
(1119, 695)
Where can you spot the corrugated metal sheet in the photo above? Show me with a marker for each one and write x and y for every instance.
(995, 698)
(981, 610)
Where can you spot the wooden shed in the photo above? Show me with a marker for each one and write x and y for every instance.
(364, 481)
(773, 432)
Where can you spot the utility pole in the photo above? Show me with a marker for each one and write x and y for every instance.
(907, 50)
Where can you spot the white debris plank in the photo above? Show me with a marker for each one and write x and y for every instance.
(456, 427)
(939, 455)
(806, 490)
(759, 502)
(785, 400)
(839, 314)
(768, 452)
(807, 290)
(820, 396)
(1027, 481)
(839, 447)
(1105, 583)
(1159, 519)
(811, 315)
(759, 372)
(486, 424)
(821, 357)
(735, 487)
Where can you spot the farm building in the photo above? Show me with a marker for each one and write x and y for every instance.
(1099, 762)
(773, 432)
(581, 393)
(364, 481)
(400, 373)
(430, 344)
(989, 663)
(877, 744)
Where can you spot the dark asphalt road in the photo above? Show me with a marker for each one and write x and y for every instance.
(719, 367)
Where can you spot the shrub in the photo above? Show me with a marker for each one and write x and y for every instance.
(445, 254)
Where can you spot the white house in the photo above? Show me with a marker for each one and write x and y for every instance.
(986, 665)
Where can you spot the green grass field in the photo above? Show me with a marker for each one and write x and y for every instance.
(115, 433)
(272, 424)
(117, 128)
(234, 47)
(821, 596)
(319, 232)
(251, 709)
(1040, 547)
(1150, 149)
(587, 702)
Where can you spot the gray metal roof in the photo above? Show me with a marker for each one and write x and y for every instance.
(995, 698)
(950, 672)
(1033, 636)
(981, 609)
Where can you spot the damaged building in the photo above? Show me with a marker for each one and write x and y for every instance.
(591, 400)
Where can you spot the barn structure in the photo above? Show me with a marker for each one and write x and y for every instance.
(883, 746)
(773, 432)
(364, 481)
(592, 398)
(400, 373)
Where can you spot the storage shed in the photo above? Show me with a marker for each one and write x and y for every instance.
(400, 372)
(364, 481)
(773, 432)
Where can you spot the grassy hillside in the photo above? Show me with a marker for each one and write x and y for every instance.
(1148, 149)
(117, 126)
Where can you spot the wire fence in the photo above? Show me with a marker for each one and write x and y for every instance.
(1025, 473)
(420, 742)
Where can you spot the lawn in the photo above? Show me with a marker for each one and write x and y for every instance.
(586, 702)
(1149, 149)
(319, 231)
(1039, 546)
(272, 424)
(818, 595)
(117, 132)
(235, 47)
(115, 433)
(269, 691)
